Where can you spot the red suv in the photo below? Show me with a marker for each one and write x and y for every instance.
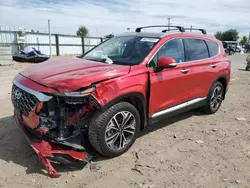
(109, 94)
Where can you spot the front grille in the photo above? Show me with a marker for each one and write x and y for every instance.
(23, 100)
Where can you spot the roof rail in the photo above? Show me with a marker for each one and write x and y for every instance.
(180, 28)
(165, 30)
(202, 30)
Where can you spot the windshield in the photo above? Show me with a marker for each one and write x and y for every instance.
(122, 50)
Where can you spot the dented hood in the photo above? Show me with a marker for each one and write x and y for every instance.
(69, 74)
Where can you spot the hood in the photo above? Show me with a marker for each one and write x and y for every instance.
(69, 74)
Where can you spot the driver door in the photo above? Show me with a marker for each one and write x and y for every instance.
(169, 87)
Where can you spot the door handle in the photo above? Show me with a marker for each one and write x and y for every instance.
(213, 65)
(184, 70)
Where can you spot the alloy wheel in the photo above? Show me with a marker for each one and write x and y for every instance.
(120, 130)
(216, 98)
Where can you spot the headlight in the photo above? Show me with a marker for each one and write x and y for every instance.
(81, 93)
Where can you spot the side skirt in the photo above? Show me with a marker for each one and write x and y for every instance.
(175, 110)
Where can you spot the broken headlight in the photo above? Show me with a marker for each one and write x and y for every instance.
(81, 92)
(77, 97)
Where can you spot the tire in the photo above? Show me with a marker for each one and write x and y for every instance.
(247, 68)
(105, 124)
(209, 108)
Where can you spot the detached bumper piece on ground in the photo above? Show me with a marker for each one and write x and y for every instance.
(54, 127)
(49, 152)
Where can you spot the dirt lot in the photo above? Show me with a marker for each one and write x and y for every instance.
(168, 152)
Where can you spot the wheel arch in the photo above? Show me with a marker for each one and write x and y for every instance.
(135, 98)
(224, 81)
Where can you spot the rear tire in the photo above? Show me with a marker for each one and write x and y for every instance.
(214, 98)
(247, 68)
(113, 131)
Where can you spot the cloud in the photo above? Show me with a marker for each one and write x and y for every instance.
(107, 16)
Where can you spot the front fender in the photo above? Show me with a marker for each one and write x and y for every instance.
(117, 88)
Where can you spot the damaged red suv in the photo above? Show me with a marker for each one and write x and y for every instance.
(109, 94)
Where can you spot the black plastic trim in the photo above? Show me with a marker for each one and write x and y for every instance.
(143, 114)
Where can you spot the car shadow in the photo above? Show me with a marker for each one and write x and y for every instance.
(169, 121)
(155, 126)
(242, 70)
(14, 148)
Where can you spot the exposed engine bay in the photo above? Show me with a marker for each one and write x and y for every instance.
(62, 120)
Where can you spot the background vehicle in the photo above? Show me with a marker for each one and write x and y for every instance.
(113, 91)
(34, 56)
(231, 47)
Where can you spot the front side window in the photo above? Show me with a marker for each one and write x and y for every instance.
(196, 49)
(173, 48)
(122, 50)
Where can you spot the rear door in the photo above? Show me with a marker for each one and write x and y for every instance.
(202, 67)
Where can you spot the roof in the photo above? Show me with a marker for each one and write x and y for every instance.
(143, 34)
(162, 34)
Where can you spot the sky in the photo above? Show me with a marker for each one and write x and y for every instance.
(103, 17)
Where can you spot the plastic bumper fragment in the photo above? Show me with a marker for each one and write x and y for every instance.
(46, 151)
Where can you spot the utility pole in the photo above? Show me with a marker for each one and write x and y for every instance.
(169, 22)
(49, 38)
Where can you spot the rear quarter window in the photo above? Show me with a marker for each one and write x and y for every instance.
(213, 48)
(196, 49)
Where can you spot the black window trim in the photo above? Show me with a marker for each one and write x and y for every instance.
(183, 37)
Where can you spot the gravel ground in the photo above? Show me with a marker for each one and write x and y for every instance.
(190, 150)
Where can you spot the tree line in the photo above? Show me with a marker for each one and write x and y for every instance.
(228, 35)
(83, 32)
(231, 35)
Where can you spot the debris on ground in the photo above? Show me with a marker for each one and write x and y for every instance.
(94, 167)
(147, 185)
(183, 150)
(137, 165)
(241, 119)
(200, 142)
(214, 130)
(237, 181)
(175, 136)
(248, 154)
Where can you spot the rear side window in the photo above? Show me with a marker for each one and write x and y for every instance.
(196, 49)
(213, 48)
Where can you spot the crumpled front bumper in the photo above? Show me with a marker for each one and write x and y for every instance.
(48, 152)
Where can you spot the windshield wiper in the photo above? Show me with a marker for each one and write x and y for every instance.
(93, 59)
(103, 60)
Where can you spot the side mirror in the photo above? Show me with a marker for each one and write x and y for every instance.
(166, 62)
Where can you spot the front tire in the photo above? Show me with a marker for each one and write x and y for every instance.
(113, 131)
(214, 99)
